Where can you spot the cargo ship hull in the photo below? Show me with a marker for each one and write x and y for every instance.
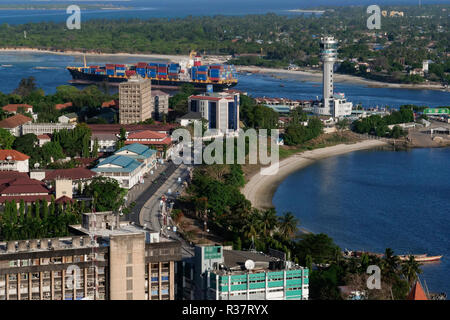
(81, 77)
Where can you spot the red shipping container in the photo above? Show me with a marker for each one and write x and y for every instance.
(162, 69)
(130, 72)
(214, 79)
(120, 66)
(108, 65)
(93, 67)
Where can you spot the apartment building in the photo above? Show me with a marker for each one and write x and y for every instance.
(106, 260)
(220, 273)
(221, 110)
(135, 100)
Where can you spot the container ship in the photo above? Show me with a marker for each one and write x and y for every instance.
(162, 75)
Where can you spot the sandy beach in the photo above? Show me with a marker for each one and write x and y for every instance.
(317, 76)
(260, 189)
(174, 58)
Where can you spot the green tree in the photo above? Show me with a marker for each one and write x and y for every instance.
(6, 139)
(288, 225)
(410, 269)
(107, 194)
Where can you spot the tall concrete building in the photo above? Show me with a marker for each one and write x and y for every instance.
(108, 259)
(221, 109)
(332, 104)
(135, 100)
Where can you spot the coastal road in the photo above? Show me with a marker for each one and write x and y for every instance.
(150, 213)
(142, 193)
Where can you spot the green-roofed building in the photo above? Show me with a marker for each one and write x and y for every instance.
(217, 273)
(126, 170)
(140, 153)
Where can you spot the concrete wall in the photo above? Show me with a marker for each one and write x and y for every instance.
(127, 267)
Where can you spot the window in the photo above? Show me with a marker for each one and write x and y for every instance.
(129, 258)
(129, 272)
(129, 284)
(130, 296)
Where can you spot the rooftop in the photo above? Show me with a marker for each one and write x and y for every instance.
(14, 121)
(62, 106)
(137, 150)
(14, 107)
(115, 128)
(13, 155)
(192, 115)
(73, 174)
(117, 163)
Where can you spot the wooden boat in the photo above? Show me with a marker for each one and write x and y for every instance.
(420, 257)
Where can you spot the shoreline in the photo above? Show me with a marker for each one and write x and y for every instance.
(175, 58)
(259, 190)
(306, 75)
(340, 78)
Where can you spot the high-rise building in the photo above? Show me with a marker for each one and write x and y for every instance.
(108, 260)
(332, 104)
(219, 273)
(135, 100)
(220, 109)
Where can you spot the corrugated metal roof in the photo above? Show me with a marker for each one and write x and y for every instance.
(140, 151)
(126, 164)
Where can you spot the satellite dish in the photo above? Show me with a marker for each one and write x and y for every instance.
(249, 264)
(36, 165)
(8, 158)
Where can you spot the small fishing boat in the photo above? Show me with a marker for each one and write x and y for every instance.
(420, 257)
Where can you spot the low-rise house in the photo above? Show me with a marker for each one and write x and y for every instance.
(15, 124)
(14, 108)
(106, 141)
(43, 139)
(140, 153)
(127, 171)
(68, 118)
(13, 160)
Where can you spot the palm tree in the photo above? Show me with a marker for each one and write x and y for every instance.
(252, 226)
(391, 262)
(410, 269)
(288, 225)
(268, 221)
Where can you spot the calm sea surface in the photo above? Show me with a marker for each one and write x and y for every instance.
(371, 200)
(145, 9)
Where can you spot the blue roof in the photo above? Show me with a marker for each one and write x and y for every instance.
(141, 151)
(126, 164)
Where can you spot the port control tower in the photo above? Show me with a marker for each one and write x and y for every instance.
(328, 52)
